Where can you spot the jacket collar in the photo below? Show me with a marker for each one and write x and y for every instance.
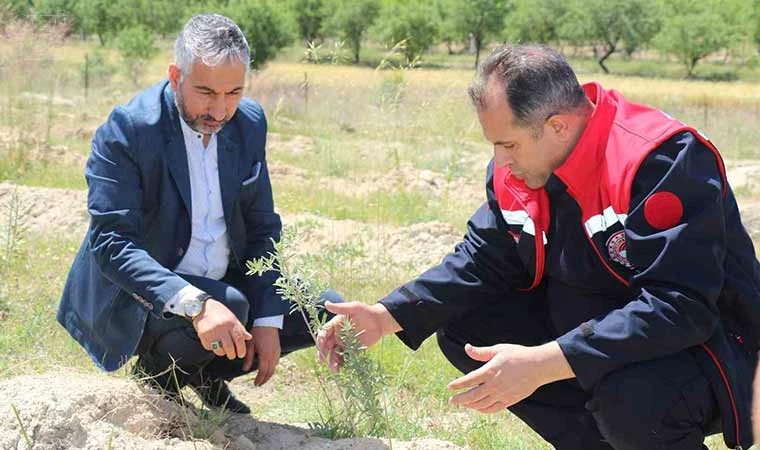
(582, 166)
(227, 154)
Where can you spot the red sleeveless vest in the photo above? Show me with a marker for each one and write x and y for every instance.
(598, 174)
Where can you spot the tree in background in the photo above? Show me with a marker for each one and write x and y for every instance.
(478, 21)
(350, 19)
(446, 32)
(136, 45)
(693, 29)
(309, 16)
(536, 21)
(14, 8)
(98, 17)
(756, 24)
(611, 25)
(264, 26)
(411, 21)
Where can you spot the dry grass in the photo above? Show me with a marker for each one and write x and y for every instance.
(362, 124)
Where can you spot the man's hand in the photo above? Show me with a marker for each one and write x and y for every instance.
(217, 323)
(371, 322)
(511, 373)
(266, 344)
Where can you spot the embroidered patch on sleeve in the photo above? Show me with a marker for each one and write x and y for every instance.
(663, 210)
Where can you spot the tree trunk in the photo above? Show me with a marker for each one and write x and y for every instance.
(690, 64)
(478, 45)
(609, 50)
(356, 47)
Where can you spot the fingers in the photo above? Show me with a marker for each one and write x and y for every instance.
(494, 408)
(248, 361)
(472, 379)
(238, 338)
(336, 359)
(228, 347)
(327, 339)
(266, 369)
(472, 398)
(480, 353)
(346, 308)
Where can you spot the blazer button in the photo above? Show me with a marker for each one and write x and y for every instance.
(180, 252)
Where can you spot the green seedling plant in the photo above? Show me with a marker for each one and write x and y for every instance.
(359, 384)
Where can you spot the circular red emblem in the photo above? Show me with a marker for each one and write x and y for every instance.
(663, 210)
(616, 249)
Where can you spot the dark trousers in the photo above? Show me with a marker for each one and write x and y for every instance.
(171, 347)
(664, 404)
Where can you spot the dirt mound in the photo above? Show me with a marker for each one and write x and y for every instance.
(64, 212)
(416, 246)
(289, 144)
(48, 210)
(77, 411)
(744, 176)
(409, 179)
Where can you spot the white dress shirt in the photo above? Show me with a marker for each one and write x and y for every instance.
(209, 251)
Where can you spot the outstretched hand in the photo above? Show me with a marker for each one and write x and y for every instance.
(510, 374)
(371, 322)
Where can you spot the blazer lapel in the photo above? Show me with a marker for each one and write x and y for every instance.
(176, 153)
(227, 161)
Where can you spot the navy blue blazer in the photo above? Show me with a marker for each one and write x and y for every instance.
(139, 203)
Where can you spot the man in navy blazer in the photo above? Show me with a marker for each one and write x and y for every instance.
(180, 198)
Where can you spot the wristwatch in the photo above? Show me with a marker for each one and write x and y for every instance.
(193, 306)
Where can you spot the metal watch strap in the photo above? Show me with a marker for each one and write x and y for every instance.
(203, 296)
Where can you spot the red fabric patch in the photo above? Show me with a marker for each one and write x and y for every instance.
(663, 210)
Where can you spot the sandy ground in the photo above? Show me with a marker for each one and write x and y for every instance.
(61, 411)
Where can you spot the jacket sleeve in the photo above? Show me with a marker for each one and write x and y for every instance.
(676, 241)
(116, 235)
(262, 225)
(481, 268)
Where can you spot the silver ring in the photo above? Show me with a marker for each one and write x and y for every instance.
(216, 345)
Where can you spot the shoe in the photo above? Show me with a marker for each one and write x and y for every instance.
(216, 394)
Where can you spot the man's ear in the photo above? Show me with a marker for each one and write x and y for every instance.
(559, 126)
(174, 76)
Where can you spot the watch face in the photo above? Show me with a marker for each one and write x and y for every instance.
(193, 308)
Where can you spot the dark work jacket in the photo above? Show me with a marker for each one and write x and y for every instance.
(693, 284)
(139, 203)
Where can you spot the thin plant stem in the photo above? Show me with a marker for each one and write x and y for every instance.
(23, 428)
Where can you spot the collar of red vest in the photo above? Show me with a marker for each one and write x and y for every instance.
(582, 166)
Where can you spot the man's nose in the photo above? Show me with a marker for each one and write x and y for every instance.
(502, 158)
(217, 109)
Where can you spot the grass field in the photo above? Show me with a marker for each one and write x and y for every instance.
(361, 123)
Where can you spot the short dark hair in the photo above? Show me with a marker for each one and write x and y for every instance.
(538, 83)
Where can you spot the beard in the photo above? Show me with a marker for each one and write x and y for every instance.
(198, 122)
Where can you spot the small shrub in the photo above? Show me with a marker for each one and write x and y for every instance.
(359, 384)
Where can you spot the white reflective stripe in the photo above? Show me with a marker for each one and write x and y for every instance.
(515, 217)
(601, 222)
(521, 218)
(530, 228)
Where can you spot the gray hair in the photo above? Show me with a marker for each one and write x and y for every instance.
(212, 38)
(538, 83)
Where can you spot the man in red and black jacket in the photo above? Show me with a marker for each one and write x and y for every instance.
(607, 292)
